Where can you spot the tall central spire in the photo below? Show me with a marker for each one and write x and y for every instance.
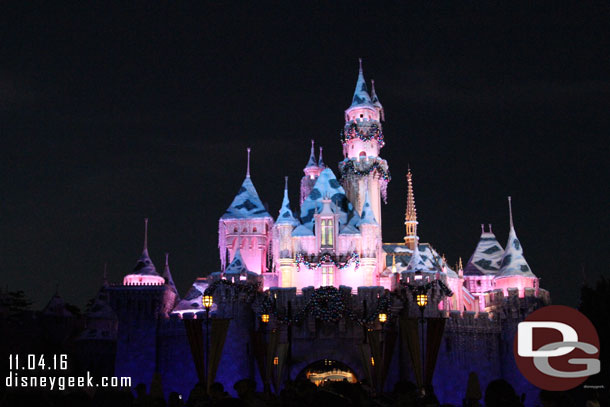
(145, 249)
(410, 215)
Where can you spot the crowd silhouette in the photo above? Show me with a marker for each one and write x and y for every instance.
(298, 393)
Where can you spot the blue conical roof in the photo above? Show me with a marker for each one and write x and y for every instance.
(238, 265)
(487, 256)
(312, 158)
(286, 217)
(513, 263)
(361, 93)
(246, 204)
(167, 275)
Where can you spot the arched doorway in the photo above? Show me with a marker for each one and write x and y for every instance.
(328, 370)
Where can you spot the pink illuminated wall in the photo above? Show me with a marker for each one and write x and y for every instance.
(518, 282)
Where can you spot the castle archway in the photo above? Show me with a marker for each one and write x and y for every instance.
(327, 370)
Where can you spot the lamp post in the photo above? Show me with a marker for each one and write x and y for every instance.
(383, 318)
(421, 299)
(207, 301)
(266, 385)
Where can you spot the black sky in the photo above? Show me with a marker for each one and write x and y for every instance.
(112, 113)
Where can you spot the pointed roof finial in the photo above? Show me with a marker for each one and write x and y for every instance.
(286, 183)
(145, 249)
(320, 161)
(248, 168)
(166, 259)
(510, 212)
(482, 228)
(360, 62)
(490, 231)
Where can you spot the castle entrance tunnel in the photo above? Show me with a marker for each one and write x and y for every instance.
(327, 370)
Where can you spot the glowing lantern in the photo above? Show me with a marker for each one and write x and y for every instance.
(265, 318)
(422, 300)
(383, 318)
(207, 302)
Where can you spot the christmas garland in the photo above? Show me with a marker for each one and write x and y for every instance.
(348, 167)
(353, 132)
(326, 258)
(327, 304)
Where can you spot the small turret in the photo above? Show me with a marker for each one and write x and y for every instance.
(312, 171)
(144, 273)
(514, 271)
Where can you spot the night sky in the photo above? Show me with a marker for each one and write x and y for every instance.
(110, 114)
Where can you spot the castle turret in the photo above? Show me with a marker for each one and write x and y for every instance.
(362, 170)
(371, 242)
(144, 273)
(283, 250)
(514, 271)
(245, 225)
(410, 215)
(312, 171)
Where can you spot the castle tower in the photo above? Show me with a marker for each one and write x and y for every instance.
(312, 171)
(514, 271)
(283, 253)
(362, 170)
(371, 243)
(245, 225)
(410, 215)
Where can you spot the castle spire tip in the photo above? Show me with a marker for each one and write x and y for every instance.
(248, 166)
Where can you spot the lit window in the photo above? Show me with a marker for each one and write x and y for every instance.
(327, 275)
(327, 233)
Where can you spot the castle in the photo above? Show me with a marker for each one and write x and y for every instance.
(283, 266)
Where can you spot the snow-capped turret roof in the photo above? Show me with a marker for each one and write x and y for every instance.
(320, 161)
(326, 185)
(246, 204)
(312, 158)
(487, 256)
(374, 97)
(513, 263)
(238, 265)
(144, 266)
(416, 263)
(367, 217)
(361, 93)
(101, 309)
(402, 255)
(167, 275)
(286, 216)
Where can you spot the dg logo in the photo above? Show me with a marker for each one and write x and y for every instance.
(557, 348)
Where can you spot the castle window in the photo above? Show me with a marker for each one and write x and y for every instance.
(327, 233)
(361, 116)
(254, 230)
(362, 154)
(235, 230)
(327, 275)
(245, 230)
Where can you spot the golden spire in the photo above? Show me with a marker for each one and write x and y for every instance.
(411, 212)
(410, 215)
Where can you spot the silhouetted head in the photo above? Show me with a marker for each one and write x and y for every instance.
(500, 393)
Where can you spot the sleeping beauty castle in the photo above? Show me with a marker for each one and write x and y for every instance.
(317, 293)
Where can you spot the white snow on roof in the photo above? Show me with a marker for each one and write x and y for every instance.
(238, 265)
(302, 230)
(286, 216)
(246, 204)
(361, 93)
(486, 258)
(432, 262)
(513, 263)
(326, 185)
(192, 299)
(144, 266)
